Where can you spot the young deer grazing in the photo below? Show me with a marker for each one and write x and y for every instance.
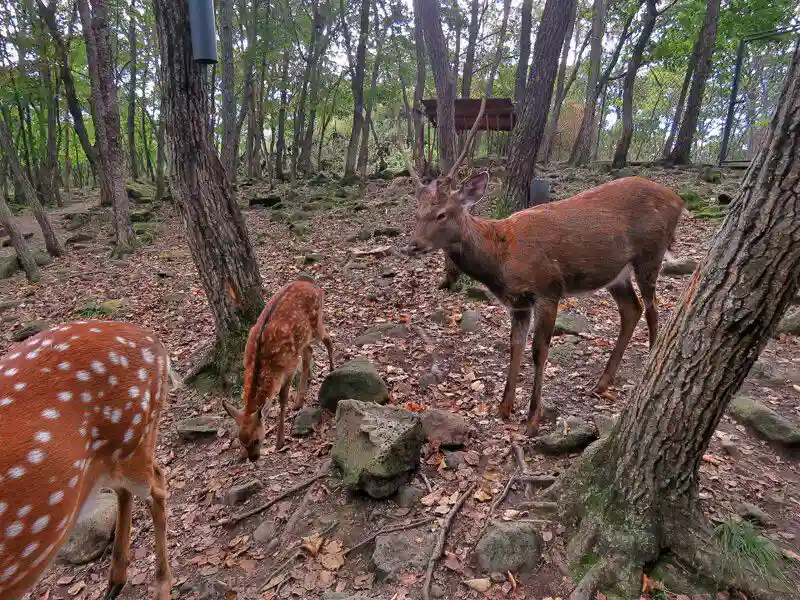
(530, 260)
(79, 410)
(282, 335)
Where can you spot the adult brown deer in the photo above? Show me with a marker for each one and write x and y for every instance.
(530, 260)
(290, 321)
(79, 410)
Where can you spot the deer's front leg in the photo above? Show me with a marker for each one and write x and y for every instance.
(283, 398)
(451, 274)
(120, 555)
(520, 321)
(542, 332)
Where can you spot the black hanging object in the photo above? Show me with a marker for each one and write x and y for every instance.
(204, 31)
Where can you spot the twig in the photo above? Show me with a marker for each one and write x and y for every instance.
(426, 481)
(296, 552)
(259, 509)
(392, 529)
(542, 481)
(520, 457)
(550, 507)
(439, 547)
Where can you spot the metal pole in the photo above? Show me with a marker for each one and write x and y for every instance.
(726, 134)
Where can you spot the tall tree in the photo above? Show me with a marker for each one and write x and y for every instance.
(229, 153)
(357, 68)
(633, 498)
(419, 92)
(521, 78)
(225, 261)
(676, 121)
(280, 144)
(527, 136)
(132, 94)
(18, 241)
(472, 40)
(380, 37)
(703, 53)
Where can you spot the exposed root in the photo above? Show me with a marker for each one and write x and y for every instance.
(369, 539)
(438, 549)
(601, 574)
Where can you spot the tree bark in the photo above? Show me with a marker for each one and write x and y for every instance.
(280, 144)
(443, 78)
(357, 68)
(230, 143)
(456, 26)
(225, 261)
(419, 92)
(704, 52)
(132, 97)
(527, 135)
(636, 491)
(521, 78)
(50, 178)
(472, 38)
(316, 49)
(24, 254)
(363, 154)
(626, 136)
(673, 130)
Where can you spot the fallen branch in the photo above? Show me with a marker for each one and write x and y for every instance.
(550, 507)
(367, 540)
(438, 549)
(542, 481)
(426, 481)
(259, 509)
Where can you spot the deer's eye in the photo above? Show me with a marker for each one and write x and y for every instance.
(441, 216)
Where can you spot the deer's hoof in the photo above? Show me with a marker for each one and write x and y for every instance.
(113, 590)
(447, 285)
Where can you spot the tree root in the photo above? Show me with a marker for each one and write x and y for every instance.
(438, 549)
(599, 575)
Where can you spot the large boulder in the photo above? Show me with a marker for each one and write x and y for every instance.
(766, 422)
(449, 429)
(572, 437)
(357, 379)
(508, 546)
(377, 447)
(92, 533)
(401, 551)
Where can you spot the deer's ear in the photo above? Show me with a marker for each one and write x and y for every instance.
(473, 189)
(231, 409)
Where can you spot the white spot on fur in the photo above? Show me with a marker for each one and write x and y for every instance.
(36, 456)
(40, 523)
(148, 356)
(86, 397)
(30, 549)
(24, 510)
(98, 367)
(6, 401)
(11, 371)
(64, 366)
(43, 437)
(128, 436)
(83, 375)
(64, 396)
(14, 529)
(20, 386)
(16, 472)
(50, 413)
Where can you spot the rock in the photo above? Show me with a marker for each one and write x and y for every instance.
(358, 380)
(470, 321)
(388, 231)
(560, 355)
(449, 429)
(765, 371)
(6, 243)
(398, 332)
(454, 460)
(300, 229)
(408, 496)
(199, 428)
(265, 532)
(439, 316)
(243, 492)
(79, 238)
(206, 590)
(361, 236)
(508, 546)
(9, 304)
(604, 424)
(376, 447)
(677, 268)
(76, 220)
(110, 307)
(42, 258)
(437, 591)
(306, 420)
(724, 199)
(579, 435)
(765, 421)
(574, 324)
(753, 513)
(478, 293)
(711, 175)
(623, 172)
(731, 448)
(9, 265)
(341, 193)
(401, 551)
(790, 324)
(271, 201)
(550, 412)
(310, 259)
(92, 533)
(29, 330)
(371, 336)
(142, 215)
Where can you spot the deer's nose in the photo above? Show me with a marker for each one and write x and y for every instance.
(412, 248)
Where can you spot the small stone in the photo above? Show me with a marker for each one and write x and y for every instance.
(477, 293)
(560, 355)
(508, 546)
(439, 317)
(678, 268)
(398, 332)
(454, 460)
(789, 325)
(310, 259)
(711, 175)
(408, 496)
(79, 238)
(306, 420)
(753, 513)
(449, 429)
(731, 448)
(388, 231)
(199, 428)
(371, 336)
(270, 201)
(265, 532)
(358, 380)
(623, 172)
(604, 424)
(401, 551)
(243, 492)
(92, 533)
(437, 591)
(362, 236)
(470, 321)
(574, 324)
(579, 434)
(29, 330)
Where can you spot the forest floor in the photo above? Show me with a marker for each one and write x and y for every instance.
(437, 365)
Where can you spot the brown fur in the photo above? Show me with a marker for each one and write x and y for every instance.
(537, 256)
(281, 336)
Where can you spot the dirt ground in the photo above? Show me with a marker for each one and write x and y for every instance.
(159, 288)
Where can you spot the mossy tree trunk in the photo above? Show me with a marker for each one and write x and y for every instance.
(633, 495)
(24, 254)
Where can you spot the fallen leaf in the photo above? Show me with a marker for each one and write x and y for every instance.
(480, 585)
(77, 588)
(325, 579)
(248, 565)
(431, 498)
(482, 495)
(276, 581)
(490, 475)
(452, 562)
(512, 580)
(331, 562)
(312, 544)
(510, 514)
(648, 585)
(441, 510)
(710, 458)
(333, 547)
(790, 554)
(547, 536)
(65, 580)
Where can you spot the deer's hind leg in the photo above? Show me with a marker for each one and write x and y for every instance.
(120, 555)
(646, 277)
(305, 376)
(630, 310)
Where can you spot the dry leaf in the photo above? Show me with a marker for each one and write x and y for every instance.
(480, 585)
(710, 458)
(547, 536)
(512, 580)
(648, 585)
(312, 544)
(276, 581)
(431, 498)
(333, 547)
(482, 495)
(77, 588)
(441, 510)
(489, 475)
(452, 562)
(331, 562)
(510, 514)
(790, 554)
(248, 565)
(325, 579)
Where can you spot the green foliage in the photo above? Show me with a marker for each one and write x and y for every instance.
(744, 551)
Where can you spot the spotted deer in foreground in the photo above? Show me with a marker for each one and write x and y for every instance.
(281, 336)
(597, 239)
(79, 410)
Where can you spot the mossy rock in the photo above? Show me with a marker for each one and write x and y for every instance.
(710, 174)
(301, 215)
(140, 191)
(570, 323)
(142, 215)
(357, 379)
(9, 265)
(790, 324)
(691, 198)
(508, 546)
(146, 232)
(300, 228)
(766, 422)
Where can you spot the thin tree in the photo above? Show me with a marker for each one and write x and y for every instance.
(676, 121)
(132, 94)
(380, 38)
(225, 260)
(526, 24)
(528, 134)
(419, 92)
(24, 254)
(357, 68)
(230, 143)
(633, 497)
(280, 143)
(472, 38)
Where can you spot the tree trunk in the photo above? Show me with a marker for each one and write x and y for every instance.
(673, 129)
(526, 137)
(24, 254)
(317, 47)
(51, 242)
(626, 136)
(472, 38)
(456, 29)
(230, 144)
(357, 86)
(280, 144)
(584, 142)
(132, 98)
(419, 92)
(225, 261)
(107, 107)
(363, 154)
(521, 78)
(704, 52)
(51, 173)
(160, 156)
(633, 498)
(443, 77)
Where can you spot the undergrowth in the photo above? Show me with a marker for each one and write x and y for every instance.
(743, 548)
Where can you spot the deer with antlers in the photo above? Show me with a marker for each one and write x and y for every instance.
(600, 238)
(79, 410)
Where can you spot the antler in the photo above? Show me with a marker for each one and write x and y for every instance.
(410, 166)
(472, 132)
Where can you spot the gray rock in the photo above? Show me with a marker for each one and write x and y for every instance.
(408, 496)
(753, 513)
(765, 421)
(141, 215)
(437, 591)
(306, 420)
(400, 332)
(623, 172)
(453, 460)
(579, 435)
(765, 371)
(790, 324)
(679, 268)
(376, 447)
(91, 534)
(371, 336)
(550, 412)
(731, 448)
(9, 304)
(508, 546)
(388, 231)
(604, 424)
(243, 492)
(29, 330)
(573, 324)
(9, 265)
(199, 428)
(265, 532)
(470, 321)
(447, 428)
(205, 590)
(79, 238)
(357, 379)
(560, 355)
(401, 551)
(439, 317)
(478, 293)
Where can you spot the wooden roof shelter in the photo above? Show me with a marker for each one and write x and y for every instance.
(498, 116)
